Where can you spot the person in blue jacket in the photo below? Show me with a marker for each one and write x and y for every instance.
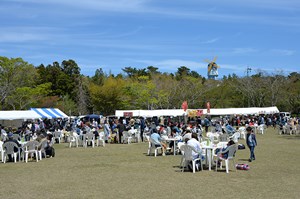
(251, 142)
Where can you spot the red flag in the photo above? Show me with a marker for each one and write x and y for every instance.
(184, 105)
(208, 107)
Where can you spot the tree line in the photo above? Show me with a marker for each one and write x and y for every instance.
(61, 85)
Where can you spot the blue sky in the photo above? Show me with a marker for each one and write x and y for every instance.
(114, 34)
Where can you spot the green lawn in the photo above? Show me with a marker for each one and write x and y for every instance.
(125, 171)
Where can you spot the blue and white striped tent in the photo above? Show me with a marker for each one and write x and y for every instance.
(50, 113)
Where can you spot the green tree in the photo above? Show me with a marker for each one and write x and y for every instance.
(108, 97)
(27, 97)
(99, 77)
(181, 72)
(14, 73)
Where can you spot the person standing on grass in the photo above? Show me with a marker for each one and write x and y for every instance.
(206, 124)
(107, 131)
(143, 126)
(121, 128)
(251, 142)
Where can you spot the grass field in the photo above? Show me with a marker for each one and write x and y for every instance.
(125, 171)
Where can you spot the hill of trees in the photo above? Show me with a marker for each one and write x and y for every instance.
(61, 85)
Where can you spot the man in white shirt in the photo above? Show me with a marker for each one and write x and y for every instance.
(196, 144)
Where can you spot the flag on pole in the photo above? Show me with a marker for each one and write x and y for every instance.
(184, 105)
(208, 107)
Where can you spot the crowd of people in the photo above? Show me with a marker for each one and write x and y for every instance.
(187, 130)
(23, 135)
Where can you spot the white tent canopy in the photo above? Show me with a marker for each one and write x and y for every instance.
(181, 112)
(242, 111)
(19, 115)
(150, 113)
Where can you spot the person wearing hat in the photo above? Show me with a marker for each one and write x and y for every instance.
(251, 142)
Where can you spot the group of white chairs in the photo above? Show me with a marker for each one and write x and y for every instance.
(29, 148)
(86, 139)
(288, 129)
(215, 137)
(186, 151)
(131, 135)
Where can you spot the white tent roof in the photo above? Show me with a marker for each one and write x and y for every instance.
(242, 111)
(151, 113)
(18, 115)
(181, 112)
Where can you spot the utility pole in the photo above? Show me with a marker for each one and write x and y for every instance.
(248, 71)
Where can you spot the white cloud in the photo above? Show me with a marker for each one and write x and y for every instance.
(282, 52)
(265, 4)
(210, 41)
(217, 10)
(27, 33)
(244, 50)
(104, 5)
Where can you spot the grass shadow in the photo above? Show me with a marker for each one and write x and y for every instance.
(290, 137)
(243, 160)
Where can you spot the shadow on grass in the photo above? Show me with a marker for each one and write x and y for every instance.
(179, 169)
(243, 160)
(290, 137)
(223, 170)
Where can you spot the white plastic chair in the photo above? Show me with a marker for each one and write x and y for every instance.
(1, 151)
(8, 148)
(41, 148)
(57, 135)
(30, 147)
(101, 139)
(235, 137)
(231, 152)
(155, 148)
(261, 129)
(73, 140)
(127, 137)
(89, 138)
(280, 129)
(133, 134)
(187, 157)
(242, 131)
(179, 144)
(220, 146)
(288, 129)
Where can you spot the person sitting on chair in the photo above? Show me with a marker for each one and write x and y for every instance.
(229, 129)
(155, 136)
(224, 155)
(196, 144)
(173, 134)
